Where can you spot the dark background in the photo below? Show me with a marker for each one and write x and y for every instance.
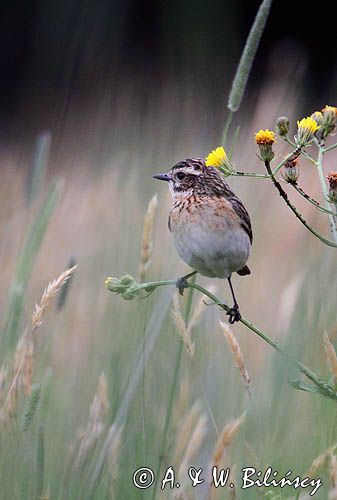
(66, 48)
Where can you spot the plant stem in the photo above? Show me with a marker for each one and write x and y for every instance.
(250, 174)
(226, 128)
(284, 195)
(191, 284)
(312, 201)
(325, 190)
(330, 148)
(285, 159)
(326, 389)
(307, 155)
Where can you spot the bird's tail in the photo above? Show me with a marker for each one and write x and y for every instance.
(244, 271)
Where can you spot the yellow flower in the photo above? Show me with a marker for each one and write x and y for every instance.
(216, 158)
(265, 140)
(265, 137)
(306, 130)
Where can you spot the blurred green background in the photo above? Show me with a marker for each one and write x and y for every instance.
(120, 91)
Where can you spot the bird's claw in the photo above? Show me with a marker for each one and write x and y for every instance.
(181, 284)
(234, 314)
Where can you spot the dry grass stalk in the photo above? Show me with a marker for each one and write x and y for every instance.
(147, 238)
(3, 379)
(225, 439)
(231, 479)
(49, 293)
(114, 441)
(198, 310)
(20, 356)
(96, 424)
(46, 495)
(183, 436)
(320, 460)
(331, 355)
(181, 401)
(236, 351)
(23, 361)
(194, 445)
(333, 470)
(180, 325)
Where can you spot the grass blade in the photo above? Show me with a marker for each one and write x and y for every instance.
(25, 264)
(248, 56)
(31, 407)
(39, 165)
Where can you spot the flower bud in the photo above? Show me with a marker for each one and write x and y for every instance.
(265, 140)
(329, 114)
(291, 171)
(282, 124)
(318, 117)
(332, 180)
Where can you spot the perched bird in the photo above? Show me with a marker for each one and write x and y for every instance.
(210, 226)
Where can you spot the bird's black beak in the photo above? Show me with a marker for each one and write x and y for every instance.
(162, 177)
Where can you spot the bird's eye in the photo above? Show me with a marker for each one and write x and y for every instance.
(180, 176)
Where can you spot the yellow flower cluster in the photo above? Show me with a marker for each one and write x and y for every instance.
(306, 129)
(308, 125)
(265, 137)
(216, 158)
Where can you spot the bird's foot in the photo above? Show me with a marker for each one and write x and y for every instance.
(234, 314)
(182, 282)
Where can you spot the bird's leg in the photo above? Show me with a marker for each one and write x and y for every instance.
(181, 283)
(233, 312)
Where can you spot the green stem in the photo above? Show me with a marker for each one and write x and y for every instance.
(325, 388)
(330, 148)
(173, 386)
(312, 201)
(250, 174)
(226, 128)
(304, 153)
(285, 159)
(284, 195)
(325, 191)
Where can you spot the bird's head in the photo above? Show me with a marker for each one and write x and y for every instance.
(189, 176)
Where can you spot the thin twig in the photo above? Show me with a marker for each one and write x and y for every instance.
(330, 148)
(312, 201)
(138, 288)
(284, 195)
(325, 189)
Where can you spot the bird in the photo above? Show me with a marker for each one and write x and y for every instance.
(211, 227)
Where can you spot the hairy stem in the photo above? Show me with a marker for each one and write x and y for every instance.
(330, 148)
(325, 389)
(312, 201)
(332, 220)
(226, 128)
(284, 196)
(250, 174)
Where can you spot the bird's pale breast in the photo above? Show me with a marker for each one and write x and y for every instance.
(208, 235)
